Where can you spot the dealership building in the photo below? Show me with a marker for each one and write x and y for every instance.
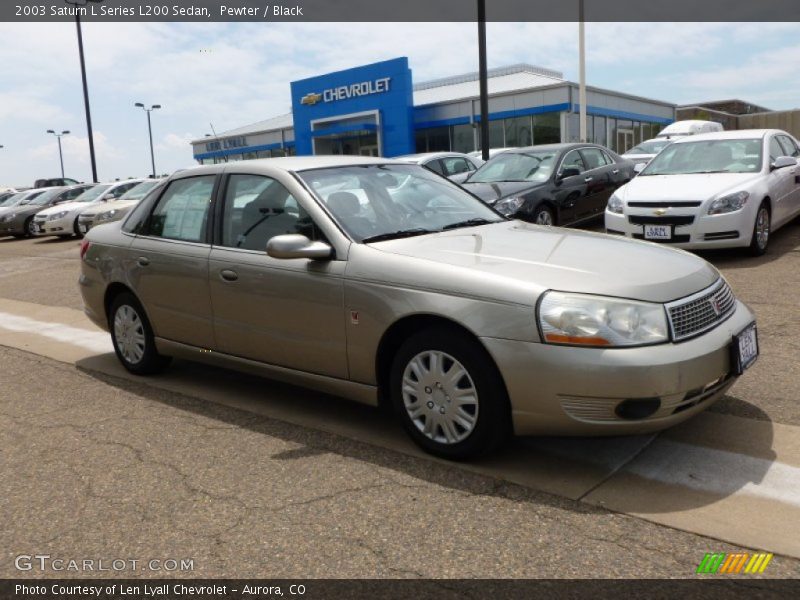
(377, 110)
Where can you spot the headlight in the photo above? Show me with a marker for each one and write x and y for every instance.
(729, 203)
(582, 320)
(58, 215)
(508, 206)
(105, 216)
(615, 205)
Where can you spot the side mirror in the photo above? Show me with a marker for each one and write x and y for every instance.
(639, 167)
(568, 172)
(782, 162)
(294, 245)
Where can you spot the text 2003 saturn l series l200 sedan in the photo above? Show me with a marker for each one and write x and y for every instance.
(382, 281)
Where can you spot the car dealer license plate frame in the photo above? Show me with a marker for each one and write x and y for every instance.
(744, 349)
(664, 234)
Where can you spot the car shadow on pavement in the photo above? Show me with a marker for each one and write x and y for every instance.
(54, 239)
(571, 468)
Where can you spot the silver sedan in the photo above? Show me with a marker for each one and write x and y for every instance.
(385, 283)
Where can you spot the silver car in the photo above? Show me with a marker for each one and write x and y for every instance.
(385, 283)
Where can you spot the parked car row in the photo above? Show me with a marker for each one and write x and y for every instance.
(59, 211)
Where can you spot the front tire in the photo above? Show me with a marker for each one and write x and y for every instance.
(449, 395)
(30, 228)
(761, 231)
(77, 229)
(132, 335)
(543, 215)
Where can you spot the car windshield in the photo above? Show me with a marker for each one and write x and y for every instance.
(31, 197)
(376, 202)
(43, 198)
(138, 192)
(651, 147)
(93, 193)
(13, 200)
(707, 156)
(516, 166)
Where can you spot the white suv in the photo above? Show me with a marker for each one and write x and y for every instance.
(714, 190)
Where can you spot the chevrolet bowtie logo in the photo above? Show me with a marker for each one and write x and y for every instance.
(660, 211)
(311, 99)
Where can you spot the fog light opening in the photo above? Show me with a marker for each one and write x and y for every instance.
(635, 410)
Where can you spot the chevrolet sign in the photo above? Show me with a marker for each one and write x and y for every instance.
(354, 90)
(311, 99)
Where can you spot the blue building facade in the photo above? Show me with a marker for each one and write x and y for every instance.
(377, 110)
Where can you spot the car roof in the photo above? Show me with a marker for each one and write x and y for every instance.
(735, 134)
(429, 155)
(555, 147)
(292, 163)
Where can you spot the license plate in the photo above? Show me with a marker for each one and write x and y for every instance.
(657, 232)
(744, 349)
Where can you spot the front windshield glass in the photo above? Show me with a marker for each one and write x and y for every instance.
(30, 198)
(138, 192)
(710, 156)
(516, 166)
(652, 147)
(374, 202)
(43, 198)
(13, 200)
(93, 193)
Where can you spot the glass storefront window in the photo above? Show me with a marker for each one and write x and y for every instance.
(438, 139)
(599, 127)
(547, 128)
(463, 138)
(496, 134)
(518, 132)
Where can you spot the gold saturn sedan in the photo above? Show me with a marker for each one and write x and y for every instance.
(384, 282)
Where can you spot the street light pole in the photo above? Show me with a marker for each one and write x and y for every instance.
(582, 72)
(484, 79)
(150, 132)
(78, 4)
(60, 154)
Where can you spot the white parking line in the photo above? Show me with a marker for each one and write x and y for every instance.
(710, 470)
(95, 341)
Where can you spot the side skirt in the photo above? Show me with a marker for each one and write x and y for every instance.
(358, 392)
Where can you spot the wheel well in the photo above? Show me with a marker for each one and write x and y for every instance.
(112, 291)
(398, 333)
(549, 204)
(768, 200)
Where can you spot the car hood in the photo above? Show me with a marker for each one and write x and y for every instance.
(638, 157)
(492, 192)
(68, 206)
(683, 187)
(515, 262)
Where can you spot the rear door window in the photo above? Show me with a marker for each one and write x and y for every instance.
(182, 211)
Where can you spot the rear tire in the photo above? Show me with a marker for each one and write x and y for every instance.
(132, 335)
(761, 231)
(449, 395)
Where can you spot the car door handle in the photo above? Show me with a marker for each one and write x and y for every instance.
(143, 261)
(229, 275)
(588, 179)
(615, 171)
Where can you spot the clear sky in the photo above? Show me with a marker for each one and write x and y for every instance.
(234, 74)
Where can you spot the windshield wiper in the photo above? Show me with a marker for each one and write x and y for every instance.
(469, 223)
(394, 235)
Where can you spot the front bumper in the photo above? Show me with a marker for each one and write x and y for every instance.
(729, 230)
(62, 226)
(14, 227)
(560, 390)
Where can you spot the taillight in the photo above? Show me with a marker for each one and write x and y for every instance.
(84, 247)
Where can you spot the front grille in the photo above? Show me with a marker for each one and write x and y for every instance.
(702, 311)
(667, 204)
(654, 220)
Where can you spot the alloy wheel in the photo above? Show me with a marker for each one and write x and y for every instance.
(544, 218)
(440, 397)
(762, 227)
